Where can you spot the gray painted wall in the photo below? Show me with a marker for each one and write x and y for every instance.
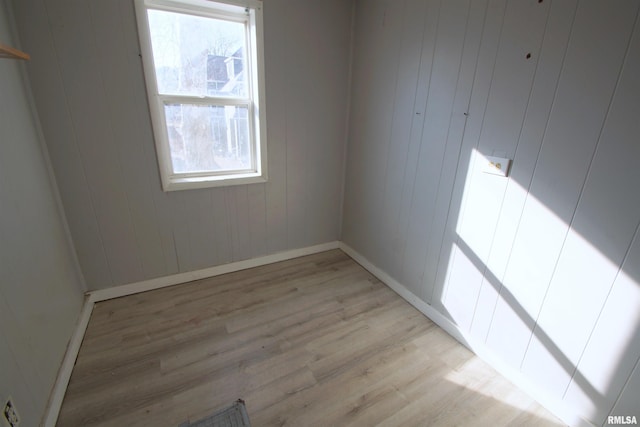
(40, 291)
(541, 267)
(88, 85)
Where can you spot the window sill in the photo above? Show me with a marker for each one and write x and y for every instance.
(176, 183)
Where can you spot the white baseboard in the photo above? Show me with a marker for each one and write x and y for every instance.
(64, 374)
(175, 279)
(558, 408)
(561, 410)
(407, 295)
(66, 368)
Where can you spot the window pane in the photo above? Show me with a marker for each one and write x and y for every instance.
(199, 56)
(208, 138)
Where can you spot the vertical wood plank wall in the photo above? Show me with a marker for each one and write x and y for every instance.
(541, 267)
(89, 88)
(40, 284)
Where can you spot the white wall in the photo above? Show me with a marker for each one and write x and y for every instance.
(40, 290)
(88, 84)
(540, 268)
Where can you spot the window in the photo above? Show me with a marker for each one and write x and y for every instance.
(204, 73)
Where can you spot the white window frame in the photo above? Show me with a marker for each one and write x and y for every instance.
(249, 11)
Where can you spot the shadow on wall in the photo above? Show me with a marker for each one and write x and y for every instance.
(548, 277)
(542, 266)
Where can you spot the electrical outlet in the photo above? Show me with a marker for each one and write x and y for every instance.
(497, 165)
(11, 413)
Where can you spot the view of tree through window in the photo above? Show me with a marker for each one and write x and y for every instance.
(202, 62)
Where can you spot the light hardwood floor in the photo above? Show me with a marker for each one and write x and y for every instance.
(314, 341)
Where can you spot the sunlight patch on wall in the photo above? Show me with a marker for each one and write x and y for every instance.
(520, 279)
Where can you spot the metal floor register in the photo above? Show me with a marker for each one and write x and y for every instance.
(233, 416)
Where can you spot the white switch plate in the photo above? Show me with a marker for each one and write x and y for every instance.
(497, 165)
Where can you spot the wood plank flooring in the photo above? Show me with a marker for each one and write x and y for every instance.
(314, 341)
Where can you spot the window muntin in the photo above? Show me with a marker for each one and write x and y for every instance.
(204, 83)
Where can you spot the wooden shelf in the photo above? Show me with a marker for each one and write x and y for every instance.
(11, 53)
